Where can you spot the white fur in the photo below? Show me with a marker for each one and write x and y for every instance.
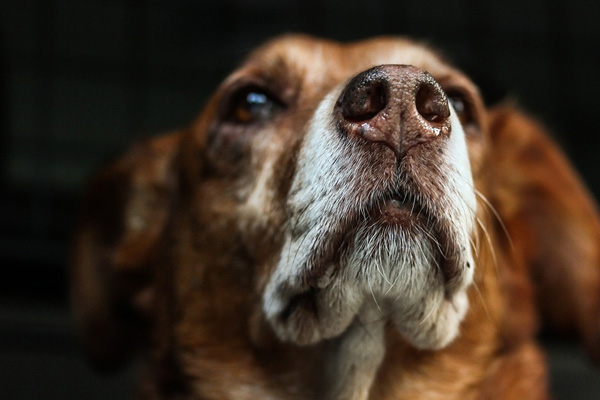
(395, 269)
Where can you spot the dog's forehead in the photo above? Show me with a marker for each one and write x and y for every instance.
(318, 62)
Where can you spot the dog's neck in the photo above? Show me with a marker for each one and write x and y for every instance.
(356, 358)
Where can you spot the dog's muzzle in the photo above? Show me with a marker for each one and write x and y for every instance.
(381, 210)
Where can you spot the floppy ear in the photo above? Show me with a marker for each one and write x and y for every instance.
(553, 223)
(123, 214)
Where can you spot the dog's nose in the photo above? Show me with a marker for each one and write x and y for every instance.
(399, 106)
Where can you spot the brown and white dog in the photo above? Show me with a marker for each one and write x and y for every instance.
(343, 221)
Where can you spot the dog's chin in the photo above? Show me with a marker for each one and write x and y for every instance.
(392, 261)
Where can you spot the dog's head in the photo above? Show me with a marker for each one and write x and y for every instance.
(324, 184)
(357, 165)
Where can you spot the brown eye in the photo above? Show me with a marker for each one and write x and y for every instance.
(244, 111)
(250, 105)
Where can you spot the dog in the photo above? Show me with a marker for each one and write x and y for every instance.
(343, 221)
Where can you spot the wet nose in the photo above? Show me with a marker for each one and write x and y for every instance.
(399, 106)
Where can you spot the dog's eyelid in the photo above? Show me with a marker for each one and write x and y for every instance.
(250, 101)
(459, 104)
(457, 93)
(464, 105)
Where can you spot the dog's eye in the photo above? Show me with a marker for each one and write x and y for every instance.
(243, 109)
(460, 106)
(463, 108)
(251, 104)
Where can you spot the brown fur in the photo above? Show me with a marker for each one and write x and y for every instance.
(166, 258)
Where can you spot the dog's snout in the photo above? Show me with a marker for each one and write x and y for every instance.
(399, 106)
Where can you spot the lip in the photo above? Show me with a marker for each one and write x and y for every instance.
(388, 211)
(398, 210)
(408, 213)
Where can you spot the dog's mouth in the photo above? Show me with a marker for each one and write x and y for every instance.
(392, 216)
(401, 210)
(394, 250)
(389, 213)
(407, 212)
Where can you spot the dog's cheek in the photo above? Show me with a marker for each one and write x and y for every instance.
(264, 192)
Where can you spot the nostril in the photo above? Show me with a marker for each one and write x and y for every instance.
(397, 106)
(432, 103)
(362, 102)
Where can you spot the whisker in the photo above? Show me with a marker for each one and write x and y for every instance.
(489, 242)
(483, 303)
(477, 246)
(427, 316)
(496, 215)
(400, 270)
(436, 242)
(489, 206)
(373, 294)
(474, 247)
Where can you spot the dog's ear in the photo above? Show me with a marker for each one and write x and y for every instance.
(553, 223)
(123, 214)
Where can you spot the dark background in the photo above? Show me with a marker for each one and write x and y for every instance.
(80, 80)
